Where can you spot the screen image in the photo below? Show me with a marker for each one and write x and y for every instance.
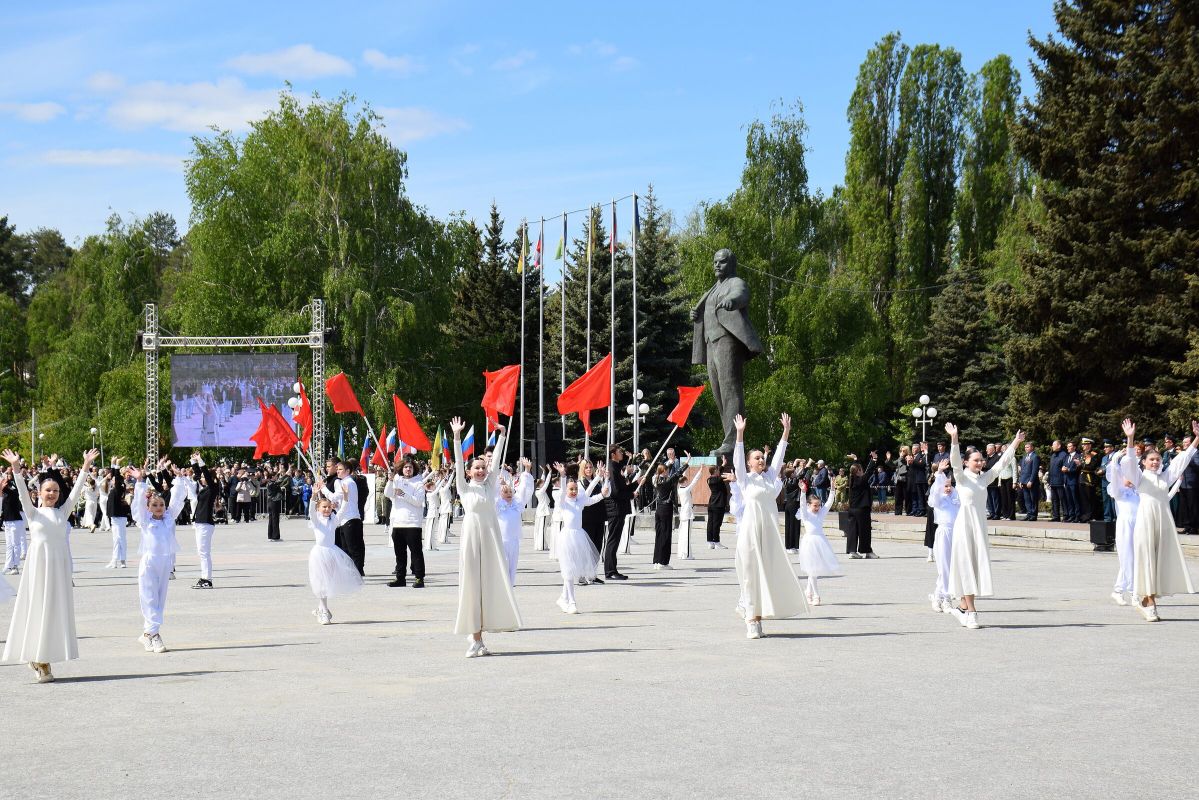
(214, 398)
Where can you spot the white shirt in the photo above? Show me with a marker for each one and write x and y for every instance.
(345, 503)
(407, 497)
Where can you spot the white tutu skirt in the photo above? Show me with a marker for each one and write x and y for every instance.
(331, 572)
(816, 557)
(577, 556)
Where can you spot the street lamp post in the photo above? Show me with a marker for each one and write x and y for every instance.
(637, 412)
(924, 414)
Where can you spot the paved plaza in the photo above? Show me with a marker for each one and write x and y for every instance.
(652, 691)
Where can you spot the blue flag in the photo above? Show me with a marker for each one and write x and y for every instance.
(341, 442)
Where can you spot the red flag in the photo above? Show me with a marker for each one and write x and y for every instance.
(341, 395)
(592, 390)
(283, 436)
(261, 436)
(687, 397)
(380, 457)
(537, 252)
(500, 396)
(409, 429)
(303, 416)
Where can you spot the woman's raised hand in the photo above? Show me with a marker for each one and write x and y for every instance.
(560, 467)
(1195, 427)
(12, 458)
(1129, 428)
(785, 418)
(739, 423)
(952, 430)
(457, 425)
(1020, 437)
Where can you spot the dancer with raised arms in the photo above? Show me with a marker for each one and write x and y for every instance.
(42, 630)
(158, 548)
(406, 491)
(1124, 495)
(330, 571)
(769, 587)
(509, 506)
(970, 557)
(816, 557)
(577, 554)
(945, 504)
(485, 598)
(1159, 569)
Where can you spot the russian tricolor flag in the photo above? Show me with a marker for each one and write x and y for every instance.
(468, 444)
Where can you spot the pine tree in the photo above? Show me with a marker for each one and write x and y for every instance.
(1108, 295)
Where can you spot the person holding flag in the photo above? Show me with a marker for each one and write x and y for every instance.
(485, 598)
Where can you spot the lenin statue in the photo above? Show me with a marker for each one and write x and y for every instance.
(724, 340)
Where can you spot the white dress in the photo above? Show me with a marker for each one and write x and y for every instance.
(541, 523)
(577, 556)
(330, 571)
(686, 514)
(43, 620)
(945, 511)
(816, 556)
(485, 598)
(768, 583)
(1158, 569)
(970, 559)
(1126, 500)
(433, 496)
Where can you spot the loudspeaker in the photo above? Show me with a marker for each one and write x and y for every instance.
(549, 443)
(1103, 533)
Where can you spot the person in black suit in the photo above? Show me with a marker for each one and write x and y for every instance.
(1029, 480)
(857, 538)
(718, 506)
(620, 505)
(666, 492)
(917, 481)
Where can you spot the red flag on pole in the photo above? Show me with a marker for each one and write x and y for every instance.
(283, 435)
(341, 395)
(379, 457)
(261, 437)
(592, 390)
(500, 396)
(687, 397)
(303, 416)
(410, 432)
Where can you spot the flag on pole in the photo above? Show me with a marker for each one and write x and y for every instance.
(341, 395)
(409, 428)
(273, 437)
(500, 395)
(435, 458)
(303, 417)
(561, 245)
(612, 244)
(341, 442)
(636, 215)
(590, 235)
(364, 459)
(380, 455)
(446, 452)
(537, 251)
(261, 437)
(492, 432)
(392, 444)
(524, 246)
(591, 391)
(687, 397)
(468, 443)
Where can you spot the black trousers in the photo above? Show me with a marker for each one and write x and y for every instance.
(355, 547)
(1059, 508)
(857, 538)
(1188, 509)
(930, 529)
(663, 522)
(273, 507)
(244, 511)
(405, 541)
(594, 528)
(1007, 499)
(715, 520)
(1031, 502)
(1088, 502)
(791, 526)
(901, 497)
(615, 527)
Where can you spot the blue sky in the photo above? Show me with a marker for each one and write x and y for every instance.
(542, 107)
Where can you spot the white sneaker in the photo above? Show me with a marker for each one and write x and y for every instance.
(960, 614)
(665, 566)
(146, 642)
(475, 650)
(971, 620)
(814, 599)
(1119, 598)
(12, 571)
(123, 565)
(753, 630)
(935, 601)
(657, 567)
(483, 651)
(930, 556)
(572, 609)
(792, 550)
(1149, 613)
(562, 604)
(855, 555)
(718, 546)
(172, 577)
(946, 605)
(157, 645)
(711, 546)
(110, 565)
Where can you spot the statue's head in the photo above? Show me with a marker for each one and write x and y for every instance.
(724, 263)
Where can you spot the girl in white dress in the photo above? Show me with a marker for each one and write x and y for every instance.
(433, 514)
(687, 510)
(330, 571)
(970, 557)
(485, 598)
(944, 501)
(1159, 569)
(1125, 496)
(541, 523)
(447, 510)
(509, 507)
(769, 586)
(42, 630)
(577, 555)
(816, 557)
(91, 500)
(158, 548)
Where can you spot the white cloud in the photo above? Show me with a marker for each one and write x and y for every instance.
(622, 63)
(400, 65)
(515, 61)
(191, 107)
(404, 124)
(297, 61)
(604, 51)
(105, 82)
(32, 112)
(115, 157)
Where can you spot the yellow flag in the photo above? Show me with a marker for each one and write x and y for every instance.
(524, 244)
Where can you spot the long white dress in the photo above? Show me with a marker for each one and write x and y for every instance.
(1159, 569)
(769, 586)
(1126, 500)
(43, 620)
(485, 598)
(970, 557)
(816, 556)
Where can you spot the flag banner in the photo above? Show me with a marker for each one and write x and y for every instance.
(364, 459)
(537, 252)
(636, 215)
(560, 250)
(341, 395)
(409, 428)
(303, 418)
(591, 391)
(524, 245)
(341, 442)
(379, 457)
(273, 437)
(261, 437)
(445, 447)
(468, 443)
(612, 244)
(435, 458)
(687, 397)
(500, 394)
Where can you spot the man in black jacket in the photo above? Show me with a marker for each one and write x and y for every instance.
(206, 489)
(620, 505)
(718, 506)
(917, 481)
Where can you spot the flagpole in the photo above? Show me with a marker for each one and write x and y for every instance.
(590, 236)
(612, 332)
(562, 328)
(524, 232)
(541, 327)
(636, 397)
(660, 449)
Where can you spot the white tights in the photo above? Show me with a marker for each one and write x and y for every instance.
(568, 591)
(323, 604)
(812, 586)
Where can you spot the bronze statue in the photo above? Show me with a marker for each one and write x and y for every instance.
(723, 340)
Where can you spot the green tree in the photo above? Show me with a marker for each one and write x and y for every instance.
(1107, 295)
